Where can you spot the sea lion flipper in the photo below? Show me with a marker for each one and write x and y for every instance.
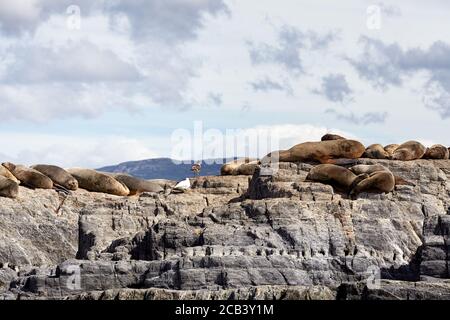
(344, 161)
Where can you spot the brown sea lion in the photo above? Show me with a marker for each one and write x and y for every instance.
(437, 151)
(29, 177)
(390, 148)
(377, 182)
(94, 181)
(330, 136)
(247, 169)
(376, 151)
(371, 168)
(323, 151)
(241, 166)
(7, 174)
(8, 188)
(136, 185)
(337, 176)
(58, 175)
(410, 150)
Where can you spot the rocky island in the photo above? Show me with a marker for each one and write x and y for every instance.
(233, 237)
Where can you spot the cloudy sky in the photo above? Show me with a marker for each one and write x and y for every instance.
(91, 83)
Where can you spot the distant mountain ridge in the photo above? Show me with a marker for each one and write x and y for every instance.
(166, 168)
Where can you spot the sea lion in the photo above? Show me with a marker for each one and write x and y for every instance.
(437, 152)
(378, 182)
(247, 169)
(241, 166)
(94, 181)
(371, 168)
(323, 151)
(410, 150)
(29, 177)
(337, 176)
(7, 174)
(376, 151)
(136, 185)
(390, 148)
(8, 188)
(58, 175)
(330, 136)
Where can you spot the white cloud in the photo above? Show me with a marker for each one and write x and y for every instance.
(81, 62)
(19, 15)
(389, 65)
(169, 21)
(44, 102)
(70, 151)
(136, 47)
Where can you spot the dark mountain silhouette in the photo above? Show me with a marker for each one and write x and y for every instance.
(165, 168)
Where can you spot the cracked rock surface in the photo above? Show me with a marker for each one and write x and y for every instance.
(233, 237)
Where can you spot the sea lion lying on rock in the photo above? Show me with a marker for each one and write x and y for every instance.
(410, 150)
(7, 174)
(247, 169)
(437, 152)
(244, 166)
(323, 152)
(94, 181)
(330, 136)
(29, 177)
(376, 151)
(337, 176)
(136, 185)
(8, 188)
(377, 182)
(58, 175)
(372, 168)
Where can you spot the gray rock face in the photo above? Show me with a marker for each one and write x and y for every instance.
(271, 237)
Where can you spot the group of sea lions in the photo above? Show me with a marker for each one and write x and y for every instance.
(331, 151)
(50, 177)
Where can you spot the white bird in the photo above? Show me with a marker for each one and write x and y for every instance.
(183, 185)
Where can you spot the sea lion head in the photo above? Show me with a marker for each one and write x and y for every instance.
(376, 151)
(71, 184)
(330, 136)
(10, 166)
